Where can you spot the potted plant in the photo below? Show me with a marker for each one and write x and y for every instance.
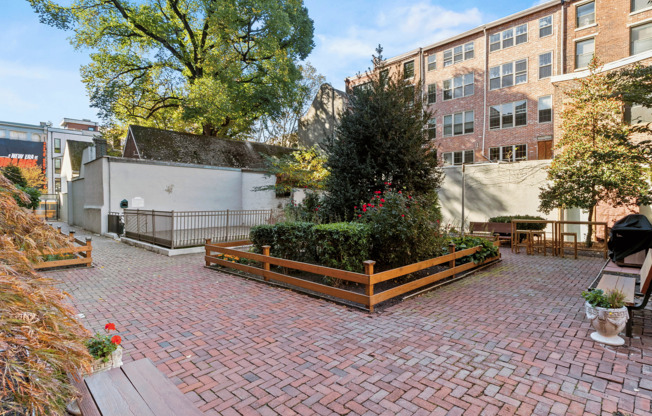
(105, 349)
(608, 315)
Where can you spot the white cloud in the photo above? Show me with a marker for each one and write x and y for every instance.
(397, 28)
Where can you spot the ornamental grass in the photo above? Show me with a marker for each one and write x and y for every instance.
(41, 341)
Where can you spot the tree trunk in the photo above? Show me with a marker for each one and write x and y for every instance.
(589, 234)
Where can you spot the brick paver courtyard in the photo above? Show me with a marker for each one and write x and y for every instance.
(511, 339)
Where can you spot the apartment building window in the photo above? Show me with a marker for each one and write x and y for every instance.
(362, 87)
(458, 54)
(641, 38)
(521, 34)
(508, 38)
(458, 124)
(57, 185)
(585, 14)
(408, 69)
(513, 153)
(432, 128)
(640, 5)
(18, 135)
(57, 145)
(432, 93)
(384, 75)
(458, 87)
(432, 62)
(545, 65)
(508, 115)
(461, 157)
(545, 26)
(584, 53)
(57, 165)
(545, 109)
(494, 42)
(506, 75)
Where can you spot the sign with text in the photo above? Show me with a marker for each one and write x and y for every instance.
(23, 154)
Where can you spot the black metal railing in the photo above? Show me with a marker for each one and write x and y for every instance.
(178, 229)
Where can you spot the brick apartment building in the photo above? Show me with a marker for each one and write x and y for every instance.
(494, 89)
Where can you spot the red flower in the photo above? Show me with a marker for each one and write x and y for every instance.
(364, 206)
(364, 209)
(109, 327)
(437, 221)
(355, 207)
(382, 199)
(402, 215)
(116, 339)
(400, 192)
(359, 215)
(316, 209)
(381, 205)
(376, 192)
(410, 196)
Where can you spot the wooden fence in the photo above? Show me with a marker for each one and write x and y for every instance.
(81, 254)
(369, 279)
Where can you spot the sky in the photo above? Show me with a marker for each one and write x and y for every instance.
(39, 69)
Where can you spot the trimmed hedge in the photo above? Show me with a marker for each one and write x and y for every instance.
(338, 245)
(524, 226)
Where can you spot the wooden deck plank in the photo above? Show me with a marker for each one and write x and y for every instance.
(160, 394)
(115, 395)
(85, 402)
(623, 283)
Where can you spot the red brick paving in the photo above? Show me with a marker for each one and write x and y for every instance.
(511, 339)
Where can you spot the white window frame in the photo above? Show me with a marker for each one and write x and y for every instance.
(54, 147)
(432, 62)
(551, 64)
(539, 109)
(631, 32)
(579, 41)
(430, 93)
(461, 51)
(633, 10)
(502, 74)
(449, 157)
(517, 35)
(503, 150)
(458, 82)
(507, 35)
(577, 7)
(464, 115)
(432, 128)
(57, 165)
(552, 21)
(413, 69)
(501, 113)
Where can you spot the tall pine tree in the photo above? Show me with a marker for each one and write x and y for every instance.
(381, 139)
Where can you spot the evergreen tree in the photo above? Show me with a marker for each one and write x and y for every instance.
(381, 139)
(596, 162)
(15, 175)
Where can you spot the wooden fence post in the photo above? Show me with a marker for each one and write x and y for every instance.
(451, 250)
(59, 229)
(71, 234)
(369, 271)
(266, 265)
(208, 251)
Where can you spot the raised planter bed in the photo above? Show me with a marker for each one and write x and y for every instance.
(68, 257)
(365, 286)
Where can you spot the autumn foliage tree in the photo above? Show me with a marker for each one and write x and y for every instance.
(41, 341)
(596, 160)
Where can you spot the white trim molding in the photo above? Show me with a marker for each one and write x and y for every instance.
(607, 67)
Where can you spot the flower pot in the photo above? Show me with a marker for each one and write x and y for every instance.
(608, 323)
(115, 360)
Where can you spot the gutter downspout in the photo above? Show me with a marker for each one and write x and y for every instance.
(484, 91)
(562, 36)
(422, 74)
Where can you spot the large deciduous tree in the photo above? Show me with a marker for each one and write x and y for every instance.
(597, 161)
(381, 139)
(205, 66)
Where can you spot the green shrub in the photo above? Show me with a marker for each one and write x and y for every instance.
(261, 235)
(521, 226)
(402, 229)
(488, 249)
(288, 240)
(612, 299)
(342, 245)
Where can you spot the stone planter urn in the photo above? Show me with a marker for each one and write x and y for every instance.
(115, 360)
(608, 323)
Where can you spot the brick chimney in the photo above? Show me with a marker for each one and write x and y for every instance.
(100, 147)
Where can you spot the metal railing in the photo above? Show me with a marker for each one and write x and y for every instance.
(178, 229)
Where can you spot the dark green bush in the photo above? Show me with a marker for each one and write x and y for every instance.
(261, 235)
(342, 245)
(521, 226)
(288, 240)
(403, 229)
(488, 249)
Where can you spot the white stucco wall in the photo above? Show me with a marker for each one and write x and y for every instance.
(492, 190)
(259, 199)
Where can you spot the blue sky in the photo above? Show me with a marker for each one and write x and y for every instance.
(39, 69)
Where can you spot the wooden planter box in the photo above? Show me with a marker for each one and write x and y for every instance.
(369, 299)
(81, 255)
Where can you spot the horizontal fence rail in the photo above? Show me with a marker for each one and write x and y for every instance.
(81, 255)
(368, 278)
(178, 229)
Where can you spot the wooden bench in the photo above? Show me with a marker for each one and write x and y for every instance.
(500, 230)
(634, 299)
(137, 388)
